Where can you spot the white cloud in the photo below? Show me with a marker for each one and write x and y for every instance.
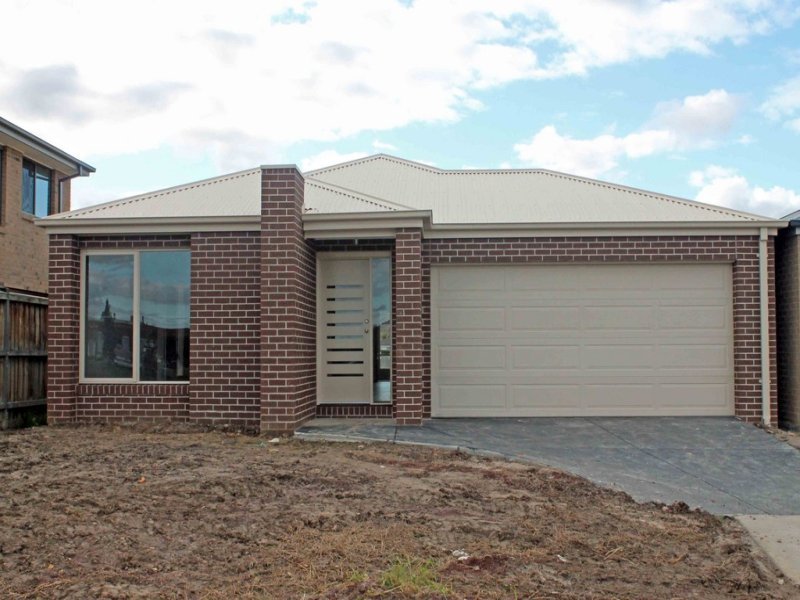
(246, 80)
(726, 187)
(326, 158)
(379, 145)
(783, 103)
(694, 122)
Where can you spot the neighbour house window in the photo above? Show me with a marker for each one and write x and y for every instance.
(136, 315)
(35, 189)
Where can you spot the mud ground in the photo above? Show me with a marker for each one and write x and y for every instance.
(108, 512)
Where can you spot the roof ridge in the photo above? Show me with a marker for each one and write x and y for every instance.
(154, 194)
(349, 193)
(361, 195)
(373, 157)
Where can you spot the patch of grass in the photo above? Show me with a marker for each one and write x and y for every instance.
(357, 576)
(412, 576)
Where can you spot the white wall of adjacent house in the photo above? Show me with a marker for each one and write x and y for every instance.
(573, 340)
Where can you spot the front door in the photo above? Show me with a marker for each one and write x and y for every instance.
(354, 325)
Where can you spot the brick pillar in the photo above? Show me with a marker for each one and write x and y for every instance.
(63, 329)
(408, 347)
(288, 304)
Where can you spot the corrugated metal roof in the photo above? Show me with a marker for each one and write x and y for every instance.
(236, 194)
(513, 196)
(386, 183)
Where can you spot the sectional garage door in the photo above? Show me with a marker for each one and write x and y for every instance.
(569, 340)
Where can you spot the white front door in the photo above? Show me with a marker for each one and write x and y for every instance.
(344, 326)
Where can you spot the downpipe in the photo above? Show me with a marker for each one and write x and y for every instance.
(763, 275)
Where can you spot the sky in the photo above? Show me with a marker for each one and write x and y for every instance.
(695, 98)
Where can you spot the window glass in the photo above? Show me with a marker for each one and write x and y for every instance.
(381, 329)
(164, 307)
(108, 344)
(28, 179)
(42, 192)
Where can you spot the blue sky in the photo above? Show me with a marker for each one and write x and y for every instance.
(700, 98)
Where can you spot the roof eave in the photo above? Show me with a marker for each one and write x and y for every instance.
(38, 144)
(148, 224)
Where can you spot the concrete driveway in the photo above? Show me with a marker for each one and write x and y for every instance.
(719, 464)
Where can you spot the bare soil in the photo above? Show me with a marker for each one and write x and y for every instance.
(121, 513)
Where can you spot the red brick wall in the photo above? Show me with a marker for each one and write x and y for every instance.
(63, 328)
(225, 342)
(742, 251)
(288, 304)
(238, 316)
(408, 358)
(132, 402)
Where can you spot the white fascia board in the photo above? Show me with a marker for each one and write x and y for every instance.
(149, 225)
(491, 230)
(379, 224)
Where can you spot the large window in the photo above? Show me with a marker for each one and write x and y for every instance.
(35, 189)
(136, 315)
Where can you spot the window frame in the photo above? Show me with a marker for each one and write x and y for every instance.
(36, 168)
(135, 333)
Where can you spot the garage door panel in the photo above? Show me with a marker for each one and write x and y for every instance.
(475, 357)
(692, 317)
(545, 397)
(474, 396)
(544, 318)
(685, 356)
(617, 356)
(545, 357)
(618, 317)
(472, 319)
(692, 395)
(471, 279)
(561, 340)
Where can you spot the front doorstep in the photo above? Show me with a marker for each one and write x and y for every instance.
(369, 429)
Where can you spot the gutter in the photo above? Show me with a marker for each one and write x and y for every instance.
(82, 172)
(763, 286)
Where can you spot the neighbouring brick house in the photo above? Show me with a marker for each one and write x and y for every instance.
(385, 288)
(787, 276)
(34, 182)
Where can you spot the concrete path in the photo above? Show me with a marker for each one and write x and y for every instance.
(719, 464)
(779, 537)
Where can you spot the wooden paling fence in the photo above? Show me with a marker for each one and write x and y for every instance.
(23, 352)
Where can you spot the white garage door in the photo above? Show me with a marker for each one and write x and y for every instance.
(564, 340)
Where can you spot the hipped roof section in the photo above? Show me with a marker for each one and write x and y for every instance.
(382, 183)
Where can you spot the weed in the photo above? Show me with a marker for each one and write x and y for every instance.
(412, 576)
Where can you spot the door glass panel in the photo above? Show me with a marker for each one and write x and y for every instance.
(381, 269)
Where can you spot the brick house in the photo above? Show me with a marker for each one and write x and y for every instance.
(787, 276)
(386, 288)
(35, 181)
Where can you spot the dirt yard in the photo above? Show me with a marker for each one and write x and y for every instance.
(119, 513)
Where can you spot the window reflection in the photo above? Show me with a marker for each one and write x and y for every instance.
(109, 316)
(381, 329)
(164, 308)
